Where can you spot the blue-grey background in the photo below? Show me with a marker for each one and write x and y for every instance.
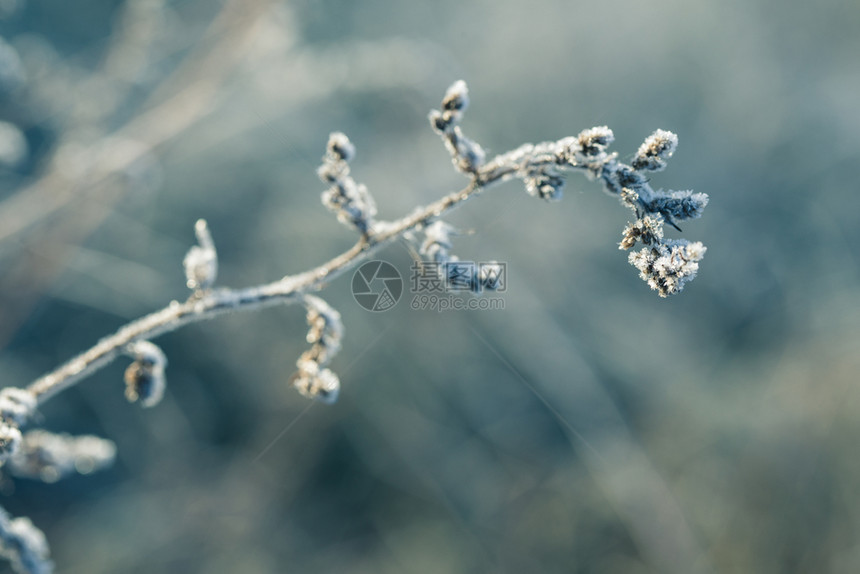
(588, 427)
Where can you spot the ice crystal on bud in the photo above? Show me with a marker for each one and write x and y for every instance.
(350, 201)
(316, 383)
(467, 155)
(49, 457)
(340, 148)
(201, 262)
(595, 140)
(24, 545)
(457, 97)
(437, 242)
(648, 230)
(655, 150)
(545, 186)
(144, 377)
(668, 266)
(679, 205)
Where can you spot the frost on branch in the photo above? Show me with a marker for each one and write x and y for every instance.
(24, 545)
(144, 378)
(313, 380)
(201, 262)
(49, 457)
(541, 167)
(350, 201)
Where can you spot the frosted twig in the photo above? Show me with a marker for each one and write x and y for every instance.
(667, 265)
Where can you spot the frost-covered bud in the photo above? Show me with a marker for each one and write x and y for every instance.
(437, 241)
(454, 103)
(144, 378)
(457, 97)
(315, 383)
(350, 201)
(49, 457)
(326, 330)
(677, 205)
(24, 545)
(595, 140)
(10, 440)
(16, 405)
(470, 154)
(545, 186)
(630, 198)
(655, 150)
(667, 267)
(201, 262)
(339, 147)
(648, 230)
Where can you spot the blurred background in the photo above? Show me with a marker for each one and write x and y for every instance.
(590, 426)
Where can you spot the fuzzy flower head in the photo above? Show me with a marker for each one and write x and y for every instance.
(655, 150)
(667, 267)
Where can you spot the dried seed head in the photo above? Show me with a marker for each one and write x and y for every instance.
(655, 150)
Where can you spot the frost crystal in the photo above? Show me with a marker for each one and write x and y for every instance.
(655, 150)
(201, 262)
(666, 267)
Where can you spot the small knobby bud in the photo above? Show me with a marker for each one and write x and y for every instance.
(655, 150)
(339, 147)
(595, 140)
(437, 242)
(201, 262)
(144, 378)
(24, 545)
(678, 205)
(454, 103)
(546, 186)
(315, 383)
(457, 97)
(648, 230)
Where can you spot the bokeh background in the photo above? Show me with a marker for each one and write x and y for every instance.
(588, 427)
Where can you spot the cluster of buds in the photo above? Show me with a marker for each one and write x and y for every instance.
(350, 201)
(325, 335)
(466, 154)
